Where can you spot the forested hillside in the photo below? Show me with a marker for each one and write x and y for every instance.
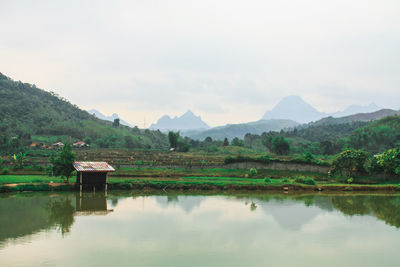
(29, 114)
(231, 131)
(373, 136)
(376, 136)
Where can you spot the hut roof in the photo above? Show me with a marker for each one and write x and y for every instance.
(92, 166)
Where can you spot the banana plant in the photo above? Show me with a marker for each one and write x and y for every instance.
(19, 159)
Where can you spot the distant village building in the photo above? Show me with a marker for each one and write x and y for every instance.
(80, 144)
(58, 144)
(90, 173)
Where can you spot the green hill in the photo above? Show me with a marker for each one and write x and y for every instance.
(357, 117)
(29, 114)
(377, 136)
(231, 131)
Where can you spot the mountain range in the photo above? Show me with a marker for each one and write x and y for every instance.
(295, 108)
(188, 121)
(114, 116)
(291, 111)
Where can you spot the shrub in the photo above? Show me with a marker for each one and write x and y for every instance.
(262, 159)
(350, 180)
(309, 181)
(299, 179)
(253, 172)
(267, 180)
(286, 181)
(308, 157)
(389, 161)
(349, 163)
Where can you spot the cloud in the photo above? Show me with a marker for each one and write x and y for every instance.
(229, 61)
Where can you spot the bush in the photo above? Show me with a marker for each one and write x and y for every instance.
(389, 161)
(308, 157)
(286, 181)
(299, 179)
(267, 180)
(349, 163)
(253, 172)
(350, 180)
(309, 181)
(262, 159)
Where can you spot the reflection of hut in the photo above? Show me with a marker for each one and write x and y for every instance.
(91, 204)
(92, 173)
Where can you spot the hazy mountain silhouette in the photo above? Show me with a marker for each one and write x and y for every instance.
(188, 121)
(231, 131)
(370, 116)
(114, 116)
(355, 109)
(294, 108)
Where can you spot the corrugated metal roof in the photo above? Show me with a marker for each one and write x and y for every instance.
(92, 166)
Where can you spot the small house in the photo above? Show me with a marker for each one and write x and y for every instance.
(80, 144)
(90, 173)
(58, 144)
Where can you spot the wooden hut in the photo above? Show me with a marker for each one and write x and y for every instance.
(92, 173)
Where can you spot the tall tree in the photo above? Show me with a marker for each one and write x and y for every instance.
(226, 142)
(116, 122)
(280, 145)
(62, 162)
(173, 138)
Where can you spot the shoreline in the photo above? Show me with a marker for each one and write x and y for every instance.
(195, 187)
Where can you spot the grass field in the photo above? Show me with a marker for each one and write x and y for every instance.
(45, 183)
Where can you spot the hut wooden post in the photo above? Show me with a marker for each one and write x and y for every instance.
(80, 182)
(106, 184)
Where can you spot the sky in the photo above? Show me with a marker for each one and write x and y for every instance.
(227, 60)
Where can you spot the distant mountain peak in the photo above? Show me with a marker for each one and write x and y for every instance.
(294, 108)
(355, 109)
(114, 116)
(188, 112)
(188, 121)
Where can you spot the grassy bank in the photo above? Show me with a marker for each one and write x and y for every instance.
(10, 183)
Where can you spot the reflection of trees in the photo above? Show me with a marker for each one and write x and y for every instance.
(114, 201)
(61, 213)
(22, 215)
(171, 198)
(384, 208)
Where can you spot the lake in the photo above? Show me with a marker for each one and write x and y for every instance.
(166, 229)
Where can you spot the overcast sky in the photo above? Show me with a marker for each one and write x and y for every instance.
(228, 61)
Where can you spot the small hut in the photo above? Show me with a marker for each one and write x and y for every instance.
(92, 173)
(80, 144)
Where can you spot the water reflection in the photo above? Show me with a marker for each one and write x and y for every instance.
(27, 214)
(61, 214)
(92, 204)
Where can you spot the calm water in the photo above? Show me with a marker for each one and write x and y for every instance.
(126, 229)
